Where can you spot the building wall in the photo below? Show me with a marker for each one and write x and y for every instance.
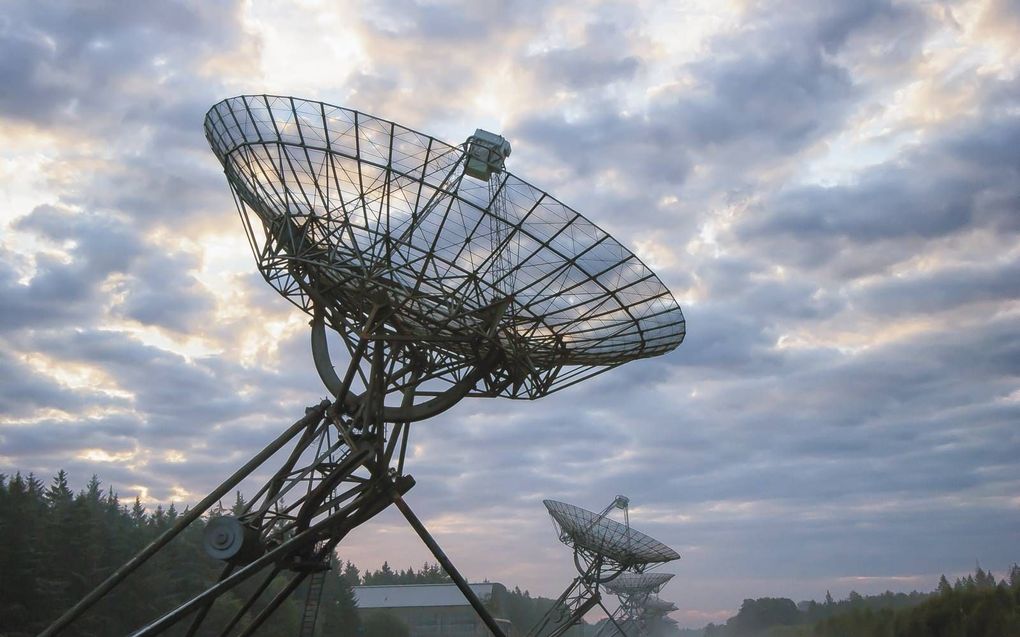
(443, 621)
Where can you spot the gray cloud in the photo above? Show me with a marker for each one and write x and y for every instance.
(851, 412)
(943, 290)
(753, 79)
(25, 391)
(162, 292)
(606, 56)
(65, 63)
(964, 179)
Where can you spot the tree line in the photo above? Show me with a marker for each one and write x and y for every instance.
(57, 545)
(978, 605)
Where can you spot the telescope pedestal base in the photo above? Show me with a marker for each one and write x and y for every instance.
(330, 483)
(580, 597)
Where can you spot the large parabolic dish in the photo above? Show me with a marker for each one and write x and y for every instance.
(350, 209)
(582, 529)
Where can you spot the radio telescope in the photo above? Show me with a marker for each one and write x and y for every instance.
(658, 606)
(604, 550)
(636, 592)
(644, 618)
(654, 616)
(442, 276)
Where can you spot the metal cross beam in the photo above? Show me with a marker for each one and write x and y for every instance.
(345, 465)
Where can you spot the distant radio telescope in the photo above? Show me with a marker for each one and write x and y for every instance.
(604, 551)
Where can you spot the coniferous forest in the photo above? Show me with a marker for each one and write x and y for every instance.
(978, 605)
(56, 545)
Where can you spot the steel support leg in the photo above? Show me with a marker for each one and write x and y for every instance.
(314, 414)
(448, 566)
(580, 597)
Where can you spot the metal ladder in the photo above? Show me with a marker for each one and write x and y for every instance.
(312, 601)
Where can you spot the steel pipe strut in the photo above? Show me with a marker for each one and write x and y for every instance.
(189, 516)
(447, 565)
(239, 575)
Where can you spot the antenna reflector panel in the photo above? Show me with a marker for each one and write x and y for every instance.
(581, 528)
(347, 212)
(630, 583)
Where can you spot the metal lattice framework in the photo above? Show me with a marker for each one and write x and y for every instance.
(343, 208)
(638, 583)
(604, 552)
(636, 592)
(445, 276)
(640, 618)
(598, 535)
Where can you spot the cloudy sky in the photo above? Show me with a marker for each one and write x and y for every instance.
(830, 189)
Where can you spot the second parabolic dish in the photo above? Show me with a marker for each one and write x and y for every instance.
(605, 536)
(356, 209)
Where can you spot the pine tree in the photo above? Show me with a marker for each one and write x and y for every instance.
(352, 574)
(26, 537)
(92, 491)
(339, 612)
(138, 512)
(157, 521)
(59, 493)
(18, 585)
(944, 586)
(239, 505)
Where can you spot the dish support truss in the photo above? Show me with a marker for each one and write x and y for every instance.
(573, 604)
(633, 617)
(637, 595)
(641, 618)
(345, 465)
(594, 569)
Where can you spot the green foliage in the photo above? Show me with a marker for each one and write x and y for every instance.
(525, 611)
(338, 612)
(58, 546)
(758, 615)
(386, 576)
(385, 624)
(973, 606)
(976, 607)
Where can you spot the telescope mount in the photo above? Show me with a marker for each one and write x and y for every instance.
(604, 550)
